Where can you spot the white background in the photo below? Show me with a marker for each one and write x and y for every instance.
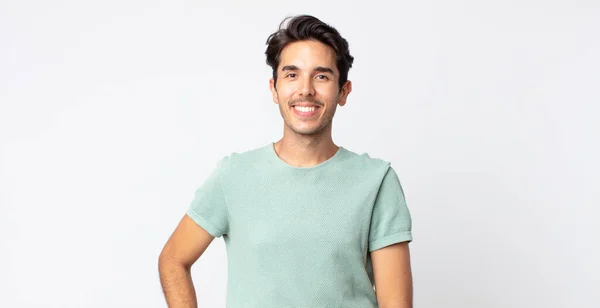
(113, 112)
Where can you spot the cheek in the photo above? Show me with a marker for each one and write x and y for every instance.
(328, 92)
(329, 100)
(285, 91)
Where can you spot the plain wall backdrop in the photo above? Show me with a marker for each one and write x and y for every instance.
(112, 113)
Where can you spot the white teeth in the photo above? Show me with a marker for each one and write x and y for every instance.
(305, 109)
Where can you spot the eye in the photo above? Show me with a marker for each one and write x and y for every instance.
(291, 75)
(322, 77)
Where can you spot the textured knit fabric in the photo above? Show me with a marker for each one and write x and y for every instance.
(301, 237)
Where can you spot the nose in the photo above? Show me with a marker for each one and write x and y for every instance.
(307, 87)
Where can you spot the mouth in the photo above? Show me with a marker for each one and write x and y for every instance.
(305, 111)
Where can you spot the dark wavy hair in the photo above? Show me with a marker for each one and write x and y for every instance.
(306, 27)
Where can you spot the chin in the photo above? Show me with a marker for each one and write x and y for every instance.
(307, 131)
(305, 128)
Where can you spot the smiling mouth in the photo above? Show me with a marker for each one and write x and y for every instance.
(305, 111)
(306, 108)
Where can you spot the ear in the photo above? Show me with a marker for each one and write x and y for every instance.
(345, 91)
(273, 91)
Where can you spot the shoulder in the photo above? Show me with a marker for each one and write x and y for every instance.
(367, 163)
(240, 160)
(368, 167)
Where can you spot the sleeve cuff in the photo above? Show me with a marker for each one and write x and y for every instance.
(405, 236)
(204, 224)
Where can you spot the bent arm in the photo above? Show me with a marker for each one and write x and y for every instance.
(187, 243)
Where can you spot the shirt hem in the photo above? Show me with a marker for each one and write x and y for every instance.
(204, 224)
(405, 236)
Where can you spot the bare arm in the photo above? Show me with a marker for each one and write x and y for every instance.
(393, 276)
(184, 247)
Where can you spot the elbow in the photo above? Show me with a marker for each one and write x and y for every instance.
(396, 304)
(404, 301)
(167, 261)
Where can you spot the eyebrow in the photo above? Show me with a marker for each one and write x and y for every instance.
(320, 69)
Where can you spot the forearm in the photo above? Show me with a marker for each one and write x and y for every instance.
(177, 285)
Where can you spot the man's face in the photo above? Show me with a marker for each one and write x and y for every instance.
(307, 89)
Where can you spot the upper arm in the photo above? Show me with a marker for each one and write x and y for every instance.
(205, 219)
(187, 243)
(389, 237)
(390, 219)
(393, 276)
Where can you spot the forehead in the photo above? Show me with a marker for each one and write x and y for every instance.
(308, 55)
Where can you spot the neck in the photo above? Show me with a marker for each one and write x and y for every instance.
(305, 150)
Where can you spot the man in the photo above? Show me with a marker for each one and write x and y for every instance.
(307, 223)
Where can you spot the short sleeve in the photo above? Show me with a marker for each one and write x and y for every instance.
(209, 205)
(390, 220)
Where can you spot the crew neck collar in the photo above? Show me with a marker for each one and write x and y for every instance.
(273, 154)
